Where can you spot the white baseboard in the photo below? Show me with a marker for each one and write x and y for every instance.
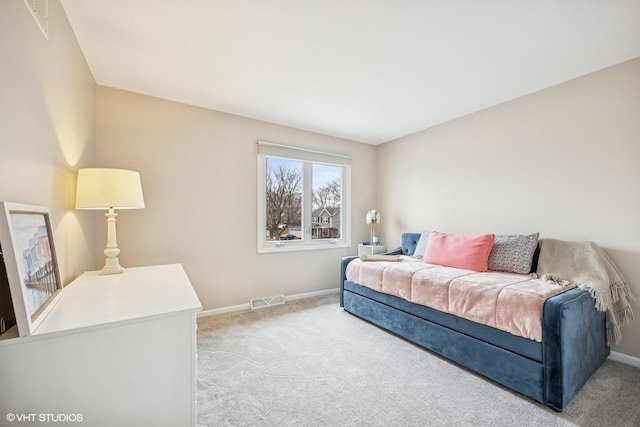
(312, 294)
(223, 310)
(624, 358)
(242, 307)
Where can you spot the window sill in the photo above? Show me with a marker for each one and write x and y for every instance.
(287, 246)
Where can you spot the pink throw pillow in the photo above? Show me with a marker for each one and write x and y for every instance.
(467, 251)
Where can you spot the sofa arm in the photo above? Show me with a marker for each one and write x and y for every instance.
(396, 251)
(343, 269)
(574, 344)
(343, 275)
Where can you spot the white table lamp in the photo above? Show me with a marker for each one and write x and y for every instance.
(100, 188)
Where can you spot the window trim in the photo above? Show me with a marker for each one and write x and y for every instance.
(267, 149)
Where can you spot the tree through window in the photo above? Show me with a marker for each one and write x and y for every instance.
(284, 198)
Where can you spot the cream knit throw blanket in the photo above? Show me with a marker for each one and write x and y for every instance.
(586, 265)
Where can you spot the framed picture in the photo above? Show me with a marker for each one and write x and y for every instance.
(30, 260)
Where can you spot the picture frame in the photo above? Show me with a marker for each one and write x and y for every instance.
(26, 243)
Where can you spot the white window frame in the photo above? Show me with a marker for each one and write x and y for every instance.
(308, 157)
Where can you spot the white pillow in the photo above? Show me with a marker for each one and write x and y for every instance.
(422, 245)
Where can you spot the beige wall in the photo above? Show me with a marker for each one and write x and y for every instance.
(199, 176)
(564, 161)
(47, 126)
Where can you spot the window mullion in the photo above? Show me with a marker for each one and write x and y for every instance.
(307, 199)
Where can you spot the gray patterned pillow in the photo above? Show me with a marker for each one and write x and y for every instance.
(513, 253)
(421, 246)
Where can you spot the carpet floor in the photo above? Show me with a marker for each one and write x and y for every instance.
(309, 363)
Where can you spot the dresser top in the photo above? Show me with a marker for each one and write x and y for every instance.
(95, 301)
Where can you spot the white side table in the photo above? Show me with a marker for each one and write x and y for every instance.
(371, 249)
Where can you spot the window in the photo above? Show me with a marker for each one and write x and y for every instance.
(303, 199)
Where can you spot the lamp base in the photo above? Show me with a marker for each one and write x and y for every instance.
(111, 265)
(105, 270)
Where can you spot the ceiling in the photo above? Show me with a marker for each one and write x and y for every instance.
(365, 70)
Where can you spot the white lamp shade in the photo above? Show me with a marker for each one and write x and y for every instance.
(100, 188)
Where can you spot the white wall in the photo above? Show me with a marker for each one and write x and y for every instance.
(564, 161)
(199, 176)
(47, 126)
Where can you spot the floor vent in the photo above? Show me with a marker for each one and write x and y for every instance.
(266, 302)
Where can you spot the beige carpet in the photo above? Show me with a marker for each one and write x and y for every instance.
(309, 363)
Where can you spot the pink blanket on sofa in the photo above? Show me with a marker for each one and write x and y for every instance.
(506, 301)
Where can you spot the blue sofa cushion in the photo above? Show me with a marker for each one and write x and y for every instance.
(409, 243)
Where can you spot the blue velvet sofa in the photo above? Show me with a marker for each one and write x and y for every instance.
(552, 371)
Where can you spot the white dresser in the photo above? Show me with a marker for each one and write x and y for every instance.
(116, 350)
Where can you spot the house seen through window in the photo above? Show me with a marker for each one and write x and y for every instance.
(303, 199)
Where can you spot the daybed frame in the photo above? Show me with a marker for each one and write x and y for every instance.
(552, 372)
